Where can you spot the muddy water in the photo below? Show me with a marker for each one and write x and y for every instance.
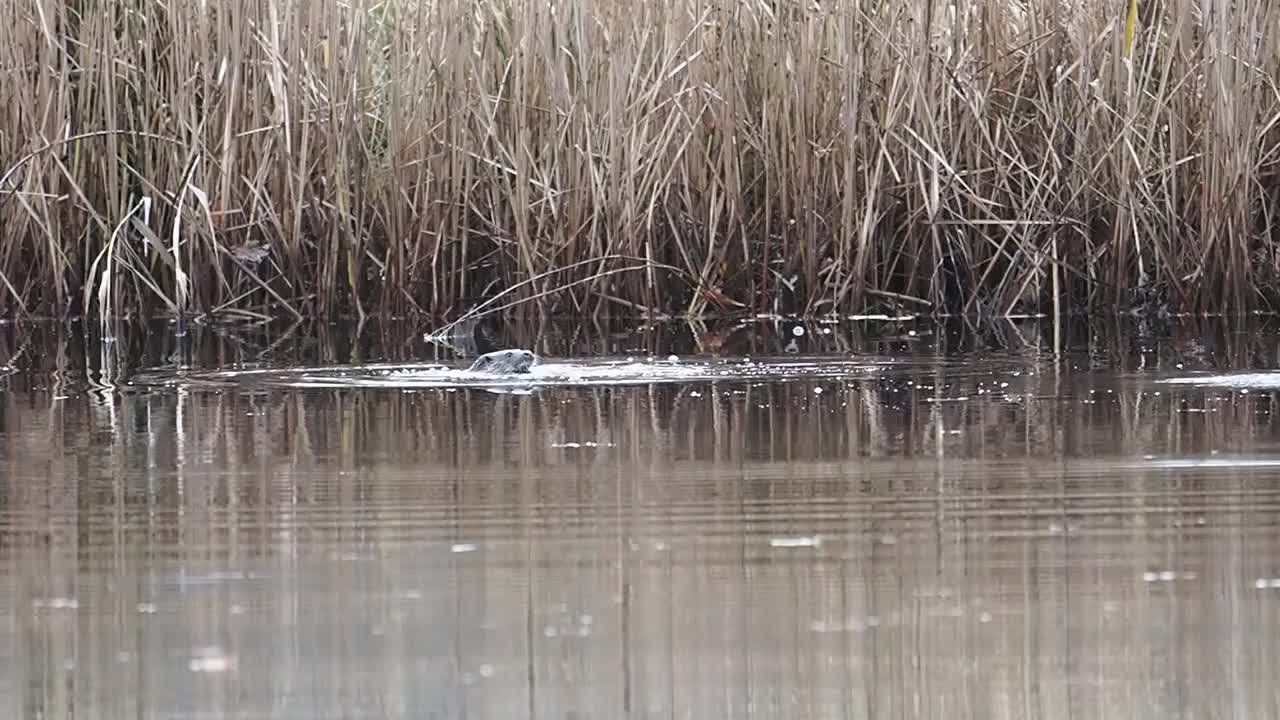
(936, 531)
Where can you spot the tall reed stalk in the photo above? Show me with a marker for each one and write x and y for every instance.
(820, 156)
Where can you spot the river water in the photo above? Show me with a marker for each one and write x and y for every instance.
(890, 520)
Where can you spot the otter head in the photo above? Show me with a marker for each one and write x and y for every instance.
(505, 362)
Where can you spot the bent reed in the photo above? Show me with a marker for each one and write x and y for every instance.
(683, 156)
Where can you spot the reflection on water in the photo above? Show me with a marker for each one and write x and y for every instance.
(989, 536)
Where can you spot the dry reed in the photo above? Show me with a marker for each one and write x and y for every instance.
(388, 157)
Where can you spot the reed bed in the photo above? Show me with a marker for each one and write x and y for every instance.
(270, 157)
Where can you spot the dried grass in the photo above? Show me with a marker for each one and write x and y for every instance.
(396, 156)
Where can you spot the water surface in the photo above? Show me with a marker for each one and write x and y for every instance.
(826, 521)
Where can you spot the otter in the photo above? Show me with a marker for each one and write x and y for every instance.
(504, 362)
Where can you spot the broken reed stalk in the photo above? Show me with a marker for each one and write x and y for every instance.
(483, 309)
(397, 156)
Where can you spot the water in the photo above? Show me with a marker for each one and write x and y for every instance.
(860, 521)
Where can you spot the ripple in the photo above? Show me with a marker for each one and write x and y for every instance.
(593, 372)
(1258, 380)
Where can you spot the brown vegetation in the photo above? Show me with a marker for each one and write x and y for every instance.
(274, 157)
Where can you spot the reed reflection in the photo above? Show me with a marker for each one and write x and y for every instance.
(938, 541)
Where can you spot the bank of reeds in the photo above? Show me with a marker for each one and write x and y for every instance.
(831, 155)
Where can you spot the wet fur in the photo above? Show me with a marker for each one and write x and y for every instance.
(505, 362)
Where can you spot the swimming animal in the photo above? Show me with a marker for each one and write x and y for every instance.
(504, 362)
